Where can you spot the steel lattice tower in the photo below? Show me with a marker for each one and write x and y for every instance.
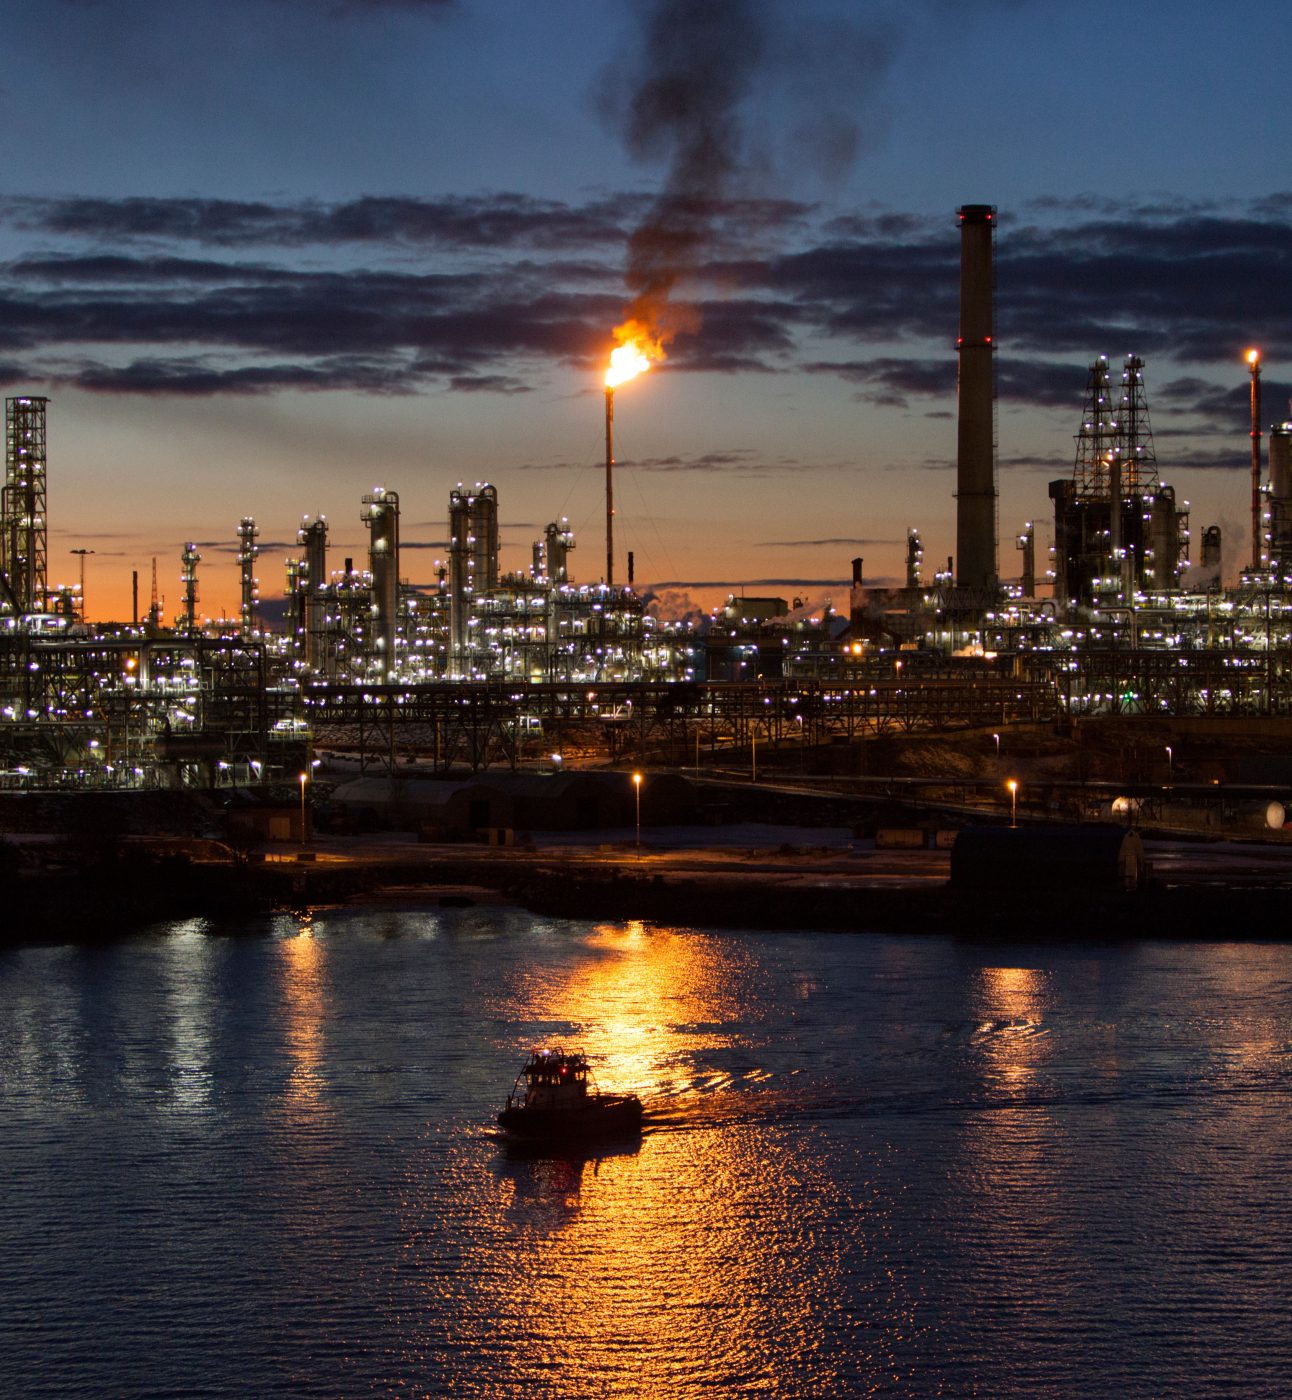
(24, 546)
(1134, 432)
(1099, 435)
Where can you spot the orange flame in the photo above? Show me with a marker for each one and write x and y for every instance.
(637, 350)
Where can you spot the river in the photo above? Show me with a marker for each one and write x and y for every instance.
(259, 1161)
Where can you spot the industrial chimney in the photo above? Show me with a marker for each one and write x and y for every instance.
(976, 456)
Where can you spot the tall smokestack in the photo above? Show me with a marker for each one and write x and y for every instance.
(976, 456)
(1254, 363)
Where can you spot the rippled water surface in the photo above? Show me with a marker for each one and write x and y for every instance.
(260, 1162)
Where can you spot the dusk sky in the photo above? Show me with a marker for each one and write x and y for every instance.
(265, 255)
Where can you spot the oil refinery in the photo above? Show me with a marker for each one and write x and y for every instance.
(484, 667)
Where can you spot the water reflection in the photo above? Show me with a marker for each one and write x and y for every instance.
(1010, 1030)
(188, 959)
(652, 1007)
(540, 1187)
(303, 994)
(703, 1253)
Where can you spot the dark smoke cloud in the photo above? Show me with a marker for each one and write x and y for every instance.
(683, 100)
(677, 103)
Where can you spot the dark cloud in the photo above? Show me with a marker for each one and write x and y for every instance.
(194, 378)
(742, 461)
(814, 544)
(487, 384)
(487, 221)
(361, 6)
(871, 300)
(751, 583)
(890, 381)
(332, 8)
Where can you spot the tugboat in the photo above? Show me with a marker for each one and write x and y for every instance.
(560, 1103)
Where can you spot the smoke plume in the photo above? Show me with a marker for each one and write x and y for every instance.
(683, 100)
(695, 68)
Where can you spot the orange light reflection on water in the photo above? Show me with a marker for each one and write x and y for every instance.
(646, 1001)
(691, 1258)
(1011, 1031)
(303, 1008)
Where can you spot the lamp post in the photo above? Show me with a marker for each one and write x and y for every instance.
(997, 739)
(1170, 765)
(304, 779)
(1012, 785)
(637, 790)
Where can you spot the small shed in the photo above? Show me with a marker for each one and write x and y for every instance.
(1090, 858)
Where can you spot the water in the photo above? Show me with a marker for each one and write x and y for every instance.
(262, 1164)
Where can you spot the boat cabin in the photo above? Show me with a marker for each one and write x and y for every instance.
(554, 1079)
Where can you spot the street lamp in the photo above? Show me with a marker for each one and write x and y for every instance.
(997, 739)
(637, 789)
(1012, 785)
(1170, 765)
(304, 779)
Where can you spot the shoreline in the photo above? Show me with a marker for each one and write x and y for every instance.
(1241, 893)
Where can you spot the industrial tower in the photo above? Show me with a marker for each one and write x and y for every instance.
(473, 566)
(976, 400)
(248, 550)
(381, 515)
(1117, 530)
(23, 533)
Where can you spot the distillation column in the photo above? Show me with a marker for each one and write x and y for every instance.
(248, 551)
(1280, 501)
(558, 540)
(473, 566)
(23, 532)
(312, 581)
(189, 561)
(976, 398)
(381, 515)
